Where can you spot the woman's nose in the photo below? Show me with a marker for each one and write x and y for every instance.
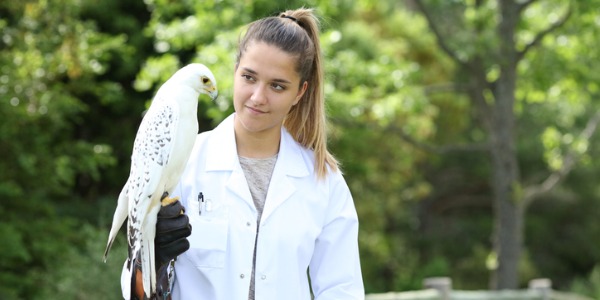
(259, 95)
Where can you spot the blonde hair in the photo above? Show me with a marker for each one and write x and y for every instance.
(297, 33)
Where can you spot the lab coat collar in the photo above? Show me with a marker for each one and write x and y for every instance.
(222, 151)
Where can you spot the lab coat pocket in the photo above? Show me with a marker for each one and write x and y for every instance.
(208, 242)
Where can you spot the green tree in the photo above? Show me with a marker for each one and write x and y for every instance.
(490, 41)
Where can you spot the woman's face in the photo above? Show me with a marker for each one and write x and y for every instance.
(265, 88)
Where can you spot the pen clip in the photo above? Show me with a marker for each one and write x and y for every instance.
(200, 203)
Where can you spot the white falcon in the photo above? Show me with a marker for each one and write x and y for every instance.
(160, 152)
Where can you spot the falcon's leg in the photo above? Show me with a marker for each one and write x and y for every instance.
(165, 200)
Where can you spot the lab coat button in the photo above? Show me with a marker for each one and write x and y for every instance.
(248, 224)
(263, 277)
(242, 276)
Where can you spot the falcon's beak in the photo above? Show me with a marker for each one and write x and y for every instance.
(213, 93)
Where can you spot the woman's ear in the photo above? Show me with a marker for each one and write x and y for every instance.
(301, 92)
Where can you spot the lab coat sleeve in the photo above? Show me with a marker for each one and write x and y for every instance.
(335, 266)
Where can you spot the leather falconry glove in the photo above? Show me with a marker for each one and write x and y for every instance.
(172, 229)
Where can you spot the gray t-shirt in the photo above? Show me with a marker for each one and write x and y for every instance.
(258, 173)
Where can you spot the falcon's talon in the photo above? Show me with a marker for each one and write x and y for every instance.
(168, 201)
(164, 195)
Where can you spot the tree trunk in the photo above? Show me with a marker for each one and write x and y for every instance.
(508, 207)
(508, 211)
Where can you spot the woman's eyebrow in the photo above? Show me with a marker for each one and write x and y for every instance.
(278, 80)
(281, 81)
(249, 70)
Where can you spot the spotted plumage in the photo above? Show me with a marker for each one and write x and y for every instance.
(160, 151)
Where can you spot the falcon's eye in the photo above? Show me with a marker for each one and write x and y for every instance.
(205, 80)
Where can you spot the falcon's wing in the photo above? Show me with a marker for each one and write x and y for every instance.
(151, 151)
(152, 148)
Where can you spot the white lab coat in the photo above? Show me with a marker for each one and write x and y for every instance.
(306, 224)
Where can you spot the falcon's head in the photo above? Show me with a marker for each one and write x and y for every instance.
(201, 79)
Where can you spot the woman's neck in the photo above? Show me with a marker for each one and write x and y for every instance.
(257, 145)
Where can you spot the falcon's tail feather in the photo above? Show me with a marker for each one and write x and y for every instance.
(148, 263)
(147, 249)
(118, 220)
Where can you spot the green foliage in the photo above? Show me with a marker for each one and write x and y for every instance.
(47, 65)
(53, 63)
(369, 107)
(588, 286)
(32, 231)
(84, 275)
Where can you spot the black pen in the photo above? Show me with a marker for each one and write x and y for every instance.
(200, 203)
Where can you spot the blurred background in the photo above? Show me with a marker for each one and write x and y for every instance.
(466, 130)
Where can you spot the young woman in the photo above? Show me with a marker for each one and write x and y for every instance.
(271, 214)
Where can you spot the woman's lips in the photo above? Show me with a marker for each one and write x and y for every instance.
(255, 110)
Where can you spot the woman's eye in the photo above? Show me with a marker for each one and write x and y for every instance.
(278, 87)
(247, 77)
